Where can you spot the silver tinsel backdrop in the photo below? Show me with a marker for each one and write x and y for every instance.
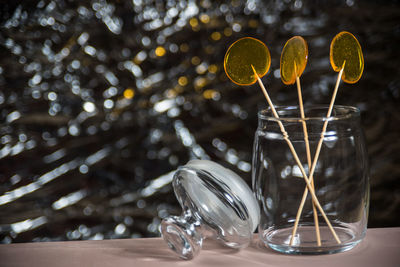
(102, 100)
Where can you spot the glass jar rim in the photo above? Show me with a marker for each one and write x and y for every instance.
(350, 112)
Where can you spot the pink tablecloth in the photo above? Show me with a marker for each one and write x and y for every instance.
(381, 247)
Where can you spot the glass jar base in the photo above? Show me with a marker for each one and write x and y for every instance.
(305, 240)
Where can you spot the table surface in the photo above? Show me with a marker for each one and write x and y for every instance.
(381, 247)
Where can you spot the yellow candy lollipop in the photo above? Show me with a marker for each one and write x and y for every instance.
(293, 62)
(243, 54)
(345, 49)
(293, 59)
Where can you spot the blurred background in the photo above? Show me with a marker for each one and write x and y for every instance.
(100, 101)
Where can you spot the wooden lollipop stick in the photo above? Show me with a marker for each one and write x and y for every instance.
(285, 136)
(308, 152)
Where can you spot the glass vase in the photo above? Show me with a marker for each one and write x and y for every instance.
(330, 214)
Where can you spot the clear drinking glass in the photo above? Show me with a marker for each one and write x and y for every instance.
(340, 178)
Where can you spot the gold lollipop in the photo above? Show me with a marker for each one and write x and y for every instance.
(243, 54)
(346, 54)
(246, 61)
(293, 59)
(345, 51)
(293, 62)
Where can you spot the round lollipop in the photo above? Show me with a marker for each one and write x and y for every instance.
(293, 59)
(293, 62)
(346, 51)
(241, 56)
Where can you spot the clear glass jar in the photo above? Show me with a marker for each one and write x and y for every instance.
(340, 180)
